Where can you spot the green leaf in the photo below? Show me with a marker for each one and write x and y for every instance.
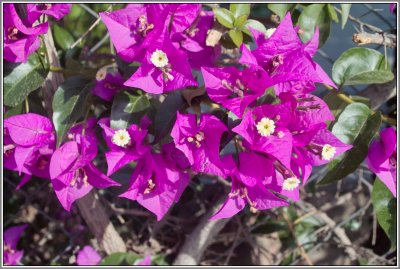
(224, 17)
(345, 13)
(22, 79)
(240, 21)
(312, 16)
(125, 109)
(385, 207)
(324, 25)
(114, 259)
(361, 66)
(239, 10)
(62, 37)
(337, 105)
(69, 103)
(166, 114)
(131, 258)
(355, 126)
(253, 24)
(281, 9)
(332, 13)
(236, 36)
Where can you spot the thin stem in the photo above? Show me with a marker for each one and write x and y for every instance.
(26, 105)
(348, 100)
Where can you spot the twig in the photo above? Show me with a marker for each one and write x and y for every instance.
(201, 237)
(303, 253)
(362, 24)
(365, 38)
(89, 10)
(86, 33)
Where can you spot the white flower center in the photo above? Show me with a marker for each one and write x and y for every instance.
(328, 152)
(266, 127)
(291, 183)
(121, 138)
(269, 32)
(159, 58)
(150, 186)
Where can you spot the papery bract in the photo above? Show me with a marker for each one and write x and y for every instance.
(200, 141)
(12, 256)
(235, 89)
(247, 186)
(163, 69)
(57, 11)
(20, 39)
(72, 171)
(382, 158)
(126, 145)
(107, 87)
(88, 256)
(264, 129)
(134, 28)
(155, 184)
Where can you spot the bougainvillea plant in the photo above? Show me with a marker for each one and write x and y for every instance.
(187, 91)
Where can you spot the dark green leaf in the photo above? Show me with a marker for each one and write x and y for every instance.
(355, 126)
(308, 20)
(281, 9)
(114, 259)
(385, 207)
(236, 36)
(14, 111)
(253, 24)
(336, 105)
(224, 17)
(22, 79)
(312, 16)
(166, 115)
(324, 25)
(345, 13)
(239, 10)
(332, 13)
(62, 37)
(69, 104)
(125, 109)
(361, 66)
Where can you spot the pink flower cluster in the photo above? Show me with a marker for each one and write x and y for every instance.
(279, 140)
(21, 34)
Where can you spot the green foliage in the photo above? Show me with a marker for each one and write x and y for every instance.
(166, 114)
(345, 13)
(240, 10)
(281, 9)
(253, 24)
(69, 104)
(332, 13)
(120, 258)
(312, 16)
(385, 207)
(224, 17)
(21, 79)
(236, 36)
(355, 126)
(125, 109)
(361, 66)
(62, 37)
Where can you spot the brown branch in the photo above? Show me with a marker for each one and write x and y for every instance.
(90, 207)
(53, 79)
(201, 237)
(365, 38)
(99, 223)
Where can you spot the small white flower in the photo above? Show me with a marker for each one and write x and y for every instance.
(121, 138)
(266, 127)
(291, 183)
(328, 152)
(159, 58)
(269, 32)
